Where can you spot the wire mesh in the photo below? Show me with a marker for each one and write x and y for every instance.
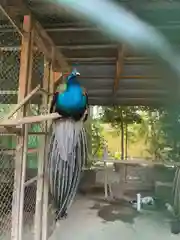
(37, 67)
(37, 130)
(10, 42)
(29, 209)
(9, 64)
(6, 184)
(9, 74)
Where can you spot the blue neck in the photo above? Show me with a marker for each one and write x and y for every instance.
(72, 81)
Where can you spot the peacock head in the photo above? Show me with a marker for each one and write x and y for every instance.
(72, 78)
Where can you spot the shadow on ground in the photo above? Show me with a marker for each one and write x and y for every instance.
(115, 211)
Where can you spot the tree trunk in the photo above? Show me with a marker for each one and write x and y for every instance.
(122, 137)
(126, 147)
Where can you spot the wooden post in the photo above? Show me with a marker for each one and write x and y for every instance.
(88, 127)
(119, 67)
(46, 184)
(105, 157)
(41, 164)
(21, 149)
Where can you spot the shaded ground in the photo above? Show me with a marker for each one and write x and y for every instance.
(92, 218)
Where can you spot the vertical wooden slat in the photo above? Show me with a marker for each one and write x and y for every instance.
(105, 157)
(46, 184)
(20, 158)
(28, 28)
(41, 163)
(119, 68)
(88, 127)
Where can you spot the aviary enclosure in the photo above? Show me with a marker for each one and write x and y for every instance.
(31, 61)
(27, 78)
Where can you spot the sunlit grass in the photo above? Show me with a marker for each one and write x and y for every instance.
(136, 148)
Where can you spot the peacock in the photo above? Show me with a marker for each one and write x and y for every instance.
(73, 101)
(68, 145)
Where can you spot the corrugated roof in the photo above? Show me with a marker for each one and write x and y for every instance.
(95, 54)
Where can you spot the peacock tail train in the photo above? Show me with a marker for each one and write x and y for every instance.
(67, 155)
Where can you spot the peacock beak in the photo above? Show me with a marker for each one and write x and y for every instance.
(78, 74)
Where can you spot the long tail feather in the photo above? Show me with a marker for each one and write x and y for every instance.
(67, 155)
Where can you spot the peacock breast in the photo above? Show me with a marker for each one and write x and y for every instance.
(72, 98)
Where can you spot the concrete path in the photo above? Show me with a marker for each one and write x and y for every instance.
(93, 219)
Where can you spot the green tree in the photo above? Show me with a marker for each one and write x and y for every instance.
(120, 117)
(97, 138)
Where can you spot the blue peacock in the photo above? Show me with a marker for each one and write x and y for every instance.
(73, 101)
(68, 145)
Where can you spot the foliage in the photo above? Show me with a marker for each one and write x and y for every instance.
(97, 138)
(116, 115)
(170, 127)
(150, 130)
(120, 118)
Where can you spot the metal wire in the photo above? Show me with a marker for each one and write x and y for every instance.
(9, 74)
(6, 186)
(11, 21)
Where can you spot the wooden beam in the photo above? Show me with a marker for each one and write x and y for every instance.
(41, 161)
(31, 119)
(10, 15)
(42, 39)
(88, 46)
(72, 29)
(13, 151)
(56, 76)
(119, 66)
(9, 131)
(95, 29)
(60, 61)
(66, 47)
(6, 132)
(12, 3)
(93, 59)
(22, 102)
(47, 85)
(124, 77)
(20, 158)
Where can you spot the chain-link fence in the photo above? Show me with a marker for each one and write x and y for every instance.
(10, 45)
(9, 74)
(39, 107)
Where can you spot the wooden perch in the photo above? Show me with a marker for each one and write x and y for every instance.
(43, 91)
(10, 130)
(23, 102)
(29, 120)
(13, 151)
